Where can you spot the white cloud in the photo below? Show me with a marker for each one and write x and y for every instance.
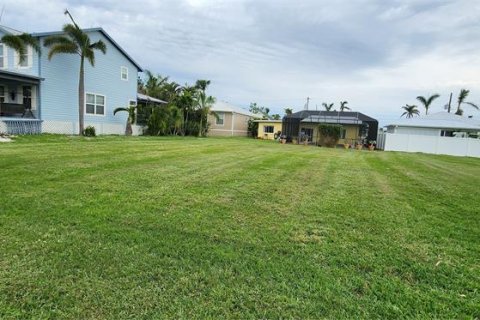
(378, 55)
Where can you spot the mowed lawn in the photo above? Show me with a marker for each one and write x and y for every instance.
(115, 227)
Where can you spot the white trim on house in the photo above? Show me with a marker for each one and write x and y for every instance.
(95, 105)
(123, 71)
(4, 57)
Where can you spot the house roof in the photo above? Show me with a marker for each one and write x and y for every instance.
(268, 120)
(9, 75)
(330, 116)
(440, 120)
(144, 97)
(222, 106)
(46, 34)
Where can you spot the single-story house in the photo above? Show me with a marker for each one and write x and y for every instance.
(229, 120)
(268, 129)
(356, 127)
(41, 95)
(438, 133)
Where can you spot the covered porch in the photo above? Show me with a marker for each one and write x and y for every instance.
(19, 103)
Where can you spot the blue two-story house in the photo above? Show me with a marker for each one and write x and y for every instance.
(41, 95)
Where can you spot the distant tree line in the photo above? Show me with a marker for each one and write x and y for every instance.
(411, 110)
(185, 112)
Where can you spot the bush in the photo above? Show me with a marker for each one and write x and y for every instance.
(89, 131)
(330, 134)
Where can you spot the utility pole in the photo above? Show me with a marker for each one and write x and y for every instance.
(450, 102)
(308, 101)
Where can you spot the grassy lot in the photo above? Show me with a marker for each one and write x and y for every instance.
(199, 228)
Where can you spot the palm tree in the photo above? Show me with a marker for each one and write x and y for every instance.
(343, 106)
(328, 107)
(288, 111)
(410, 111)
(461, 100)
(202, 84)
(20, 43)
(75, 41)
(427, 102)
(204, 104)
(131, 117)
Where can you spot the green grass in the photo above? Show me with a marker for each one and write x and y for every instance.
(143, 227)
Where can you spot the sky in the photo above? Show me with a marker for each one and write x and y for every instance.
(376, 54)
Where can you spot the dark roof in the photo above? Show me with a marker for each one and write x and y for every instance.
(15, 76)
(46, 34)
(334, 114)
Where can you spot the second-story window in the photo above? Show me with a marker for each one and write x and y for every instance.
(26, 61)
(124, 73)
(3, 56)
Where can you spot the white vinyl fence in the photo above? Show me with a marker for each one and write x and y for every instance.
(429, 144)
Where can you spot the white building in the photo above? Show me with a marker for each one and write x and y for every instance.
(438, 133)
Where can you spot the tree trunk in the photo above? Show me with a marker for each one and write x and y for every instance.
(128, 128)
(81, 97)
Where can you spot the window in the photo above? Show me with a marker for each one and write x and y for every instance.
(124, 73)
(2, 94)
(95, 104)
(220, 119)
(3, 56)
(268, 129)
(446, 133)
(27, 59)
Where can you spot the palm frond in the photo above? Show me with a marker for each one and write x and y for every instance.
(99, 45)
(52, 40)
(432, 97)
(119, 109)
(471, 104)
(16, 43)
(463, 95)
(90, 55)
(77, 35)
(59, 48)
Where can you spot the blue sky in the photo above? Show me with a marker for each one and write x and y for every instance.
(376, 54)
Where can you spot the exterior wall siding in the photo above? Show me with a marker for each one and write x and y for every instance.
(59, 96)
(234, 124)
(277, 126)
(33, 70)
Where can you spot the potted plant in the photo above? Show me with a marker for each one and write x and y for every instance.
(346, 145)
(283, 139)
(372, 144)
(359, 146)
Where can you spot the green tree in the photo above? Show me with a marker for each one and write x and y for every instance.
(410, 111)
(426, 102)
(20, 43)
(461, 100)
(288, 111)
(131, 117)
(76, 41)
(203, 106)
(328, 107)
(343, 106)
(276, 116)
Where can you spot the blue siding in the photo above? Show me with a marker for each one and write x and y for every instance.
(59, 90)
(33, 70)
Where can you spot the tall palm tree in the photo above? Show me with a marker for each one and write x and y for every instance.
(204, 104)
(20, 43)
(410, 111)
(328, 107)
(426, 102)
(288, 111)
(131, 117)
(461, 100)
(202, 84)
(75, 41)
(343, 106)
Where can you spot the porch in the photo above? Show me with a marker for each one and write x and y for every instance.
(19, 103)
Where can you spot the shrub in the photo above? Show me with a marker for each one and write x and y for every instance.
(89, 131)
(330, 134)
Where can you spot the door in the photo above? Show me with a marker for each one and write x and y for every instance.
(27, 97)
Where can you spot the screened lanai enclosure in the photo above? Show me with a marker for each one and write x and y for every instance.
(303, 126)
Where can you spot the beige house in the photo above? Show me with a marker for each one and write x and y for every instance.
(268, 128)
(229, 120)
